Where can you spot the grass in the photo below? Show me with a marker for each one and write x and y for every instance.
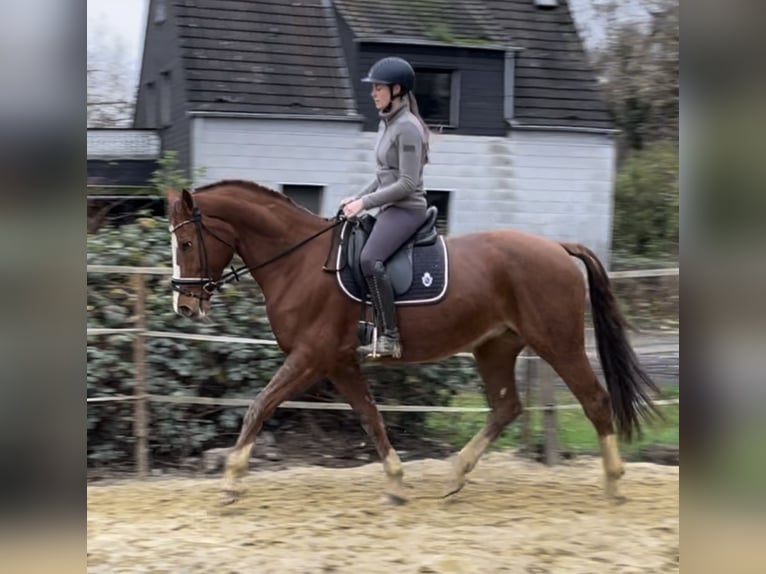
(575, 432)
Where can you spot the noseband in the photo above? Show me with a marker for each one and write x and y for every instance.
(206, 282)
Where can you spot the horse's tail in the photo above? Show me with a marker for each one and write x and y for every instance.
(628, 384)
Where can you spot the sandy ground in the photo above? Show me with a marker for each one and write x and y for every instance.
(513, 516)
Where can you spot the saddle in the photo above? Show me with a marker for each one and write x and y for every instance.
(418, 269)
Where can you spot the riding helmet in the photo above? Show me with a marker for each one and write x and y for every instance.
(392, 70)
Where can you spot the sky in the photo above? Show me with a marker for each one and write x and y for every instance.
(126, 19)
(122, 19)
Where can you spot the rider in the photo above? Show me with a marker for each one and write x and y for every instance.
(401, 153)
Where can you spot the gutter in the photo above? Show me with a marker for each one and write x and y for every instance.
(262, 116)
(585, 130)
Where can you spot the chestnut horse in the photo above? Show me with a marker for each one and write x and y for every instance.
(507, 290)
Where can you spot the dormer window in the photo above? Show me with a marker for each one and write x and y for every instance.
(438, 95)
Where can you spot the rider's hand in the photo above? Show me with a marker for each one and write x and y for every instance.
(353, 208)
(346, 200)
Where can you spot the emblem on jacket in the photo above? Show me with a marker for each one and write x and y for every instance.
(427, 279)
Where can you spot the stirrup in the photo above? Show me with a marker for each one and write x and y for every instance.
(385, 346)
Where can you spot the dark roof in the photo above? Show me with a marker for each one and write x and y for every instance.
(268, 57)
(460, 22)
(553, 84)
(285, 56)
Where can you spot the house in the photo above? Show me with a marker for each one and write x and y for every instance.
(269, 90)
(120, 164)
(121, 161)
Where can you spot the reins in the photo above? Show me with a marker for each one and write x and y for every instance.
(208, 284)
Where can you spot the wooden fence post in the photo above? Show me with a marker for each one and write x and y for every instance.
(140, 415)
(527, 381)
(550, 427)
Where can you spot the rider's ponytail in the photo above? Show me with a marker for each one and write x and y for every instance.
(426, 132)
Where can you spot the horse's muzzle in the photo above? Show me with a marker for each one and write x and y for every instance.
(186, 311)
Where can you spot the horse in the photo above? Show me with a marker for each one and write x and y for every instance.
(507, 290)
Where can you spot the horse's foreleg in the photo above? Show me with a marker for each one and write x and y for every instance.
(351, 384)
(294, 376)
(495, 361)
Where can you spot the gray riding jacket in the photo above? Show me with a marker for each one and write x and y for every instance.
(400, 154)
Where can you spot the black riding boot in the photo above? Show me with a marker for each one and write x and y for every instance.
(382, 295)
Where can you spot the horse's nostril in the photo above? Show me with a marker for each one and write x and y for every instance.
(185, 311)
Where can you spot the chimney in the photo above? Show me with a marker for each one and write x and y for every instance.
(546, 3)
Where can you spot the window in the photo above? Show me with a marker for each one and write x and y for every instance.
(166, 116)
(309, 196)
(438, 95)
(160, 12)
(441, 200)
(150, 106)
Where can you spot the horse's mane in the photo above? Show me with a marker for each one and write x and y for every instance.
(257, 188)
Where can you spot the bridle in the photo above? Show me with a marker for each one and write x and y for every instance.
(206, 282)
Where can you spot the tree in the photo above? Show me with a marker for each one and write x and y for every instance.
(638, 66)
(110, 89)
(646, 203)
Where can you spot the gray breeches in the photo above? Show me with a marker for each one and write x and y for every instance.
(393, 227)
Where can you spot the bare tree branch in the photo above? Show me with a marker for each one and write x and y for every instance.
(638, 66)
(110, 87)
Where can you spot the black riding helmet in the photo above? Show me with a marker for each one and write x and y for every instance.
(392, 71)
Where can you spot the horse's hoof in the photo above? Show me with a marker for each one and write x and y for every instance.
(618, 500)
(228, 497)
(453, 487)
(612, 492)
(396, 499)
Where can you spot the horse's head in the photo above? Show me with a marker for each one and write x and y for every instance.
(202, 246)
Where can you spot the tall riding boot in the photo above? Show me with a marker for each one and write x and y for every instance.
(382, 295)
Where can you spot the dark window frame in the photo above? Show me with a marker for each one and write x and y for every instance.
(452, 117)
(165, 100)
(290, 189)
(160, 12)
(150, 103)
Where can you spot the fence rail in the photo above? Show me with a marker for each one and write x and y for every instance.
(312, 405)
(141, 399)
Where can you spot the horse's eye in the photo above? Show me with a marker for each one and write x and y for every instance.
(186, 245)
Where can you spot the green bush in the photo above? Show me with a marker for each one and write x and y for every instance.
(646, 203)
(183, 367)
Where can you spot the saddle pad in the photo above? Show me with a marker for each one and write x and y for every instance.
(430, 266)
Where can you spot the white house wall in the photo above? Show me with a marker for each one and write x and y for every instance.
(564, 185)
(276, 152)
(558, 185)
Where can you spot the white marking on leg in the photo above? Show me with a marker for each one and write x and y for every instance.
(503, 392)
(176, 267)
(611, 455)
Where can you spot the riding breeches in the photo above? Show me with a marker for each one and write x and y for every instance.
(393, 227)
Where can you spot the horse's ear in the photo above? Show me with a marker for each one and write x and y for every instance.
(187, 200)
(171, 195)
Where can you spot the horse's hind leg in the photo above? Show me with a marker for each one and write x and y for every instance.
(495, 361)
(351, 384)
(575, 370)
